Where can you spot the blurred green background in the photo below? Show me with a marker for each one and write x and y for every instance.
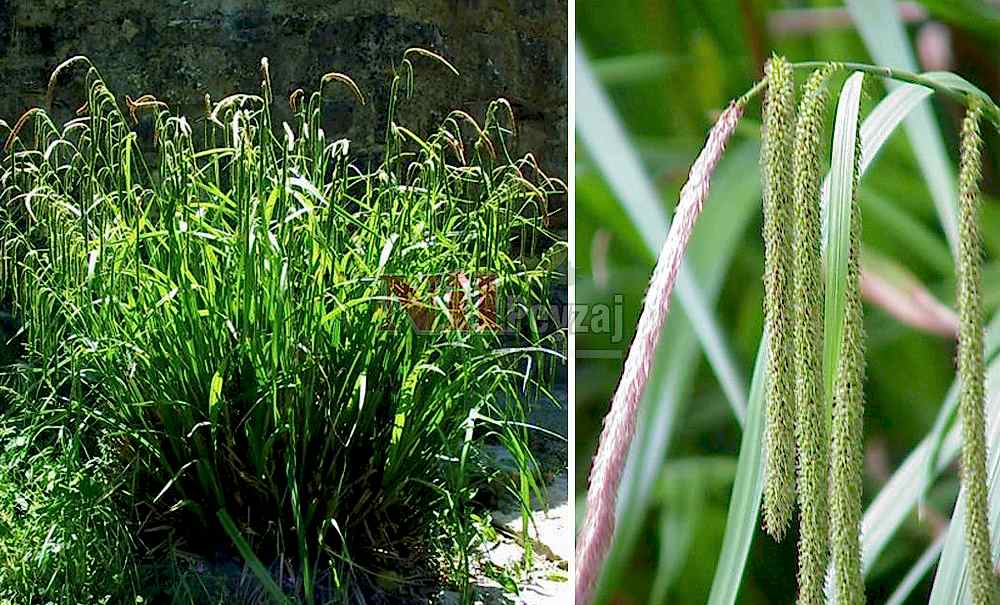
(667, 67)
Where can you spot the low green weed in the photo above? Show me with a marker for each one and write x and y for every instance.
(289, 353)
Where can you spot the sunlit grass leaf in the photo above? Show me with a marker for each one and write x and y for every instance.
(214, 391)
(258, 569)
(838, 226)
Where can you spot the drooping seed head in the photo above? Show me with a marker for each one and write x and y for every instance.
(970, 364)
(776, 177)
(619, 425)
(811, 427)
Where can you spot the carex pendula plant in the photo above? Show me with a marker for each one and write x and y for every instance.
(290, 354)
(812, 399)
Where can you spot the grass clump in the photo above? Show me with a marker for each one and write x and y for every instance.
(288, 353)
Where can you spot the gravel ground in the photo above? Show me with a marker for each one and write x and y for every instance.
(548, 582)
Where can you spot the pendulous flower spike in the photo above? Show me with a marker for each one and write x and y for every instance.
(970, 364)
(598, 524)
(776, 177)
(812, 441)
(847, 447)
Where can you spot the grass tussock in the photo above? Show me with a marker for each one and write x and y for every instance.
(270, 349)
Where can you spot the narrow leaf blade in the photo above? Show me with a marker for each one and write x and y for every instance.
(838, 219)
(744, 503)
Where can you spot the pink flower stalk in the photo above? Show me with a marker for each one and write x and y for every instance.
(619, 425)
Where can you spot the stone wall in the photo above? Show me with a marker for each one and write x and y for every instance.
(178, 50)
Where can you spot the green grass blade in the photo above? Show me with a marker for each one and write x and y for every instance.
(957, 82)
(886, 116)
(606, 141)
(878, 127)
(917, 572)
(251, 559)
(880, 28)
(906, 487)
(838, 225)
(744, 504)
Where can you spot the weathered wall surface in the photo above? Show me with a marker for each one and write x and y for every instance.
(178, 50)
